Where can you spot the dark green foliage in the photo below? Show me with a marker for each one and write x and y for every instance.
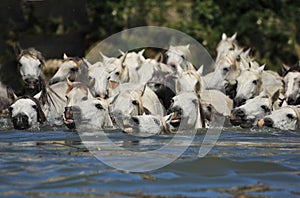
(269, 27)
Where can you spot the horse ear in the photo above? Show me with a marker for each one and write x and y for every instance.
(261, 69)
(187, 46)
(141, 52)
(140, 55)
(197, 88)
(275, 96)
(239, 51)
(11, 95)
(286, 67)
(17, 48)
(122, 53)
(123, 58)
(200, 70)
(159, 57)
(91, 83)
(65, 56)
(86, 62)
(224, 36)
(233, 37)
(104, 58)
(70, 84)
(247, 52)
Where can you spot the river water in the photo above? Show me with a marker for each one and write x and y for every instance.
(54, 163)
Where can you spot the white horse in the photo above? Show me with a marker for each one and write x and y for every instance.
(98, 75)
(145, 125)
(76, 93)
(248, 114)
(225, 45)
(252, 82)
(133, 60)
(292, 87)
(26, 113)
(212, 100)
(83, 111)
(226, 71)
(185, 112)
(133, 99)
(249, 85)
(92, 113)
(177, 57)
(30, 62)
(73, 69)
(284, 118)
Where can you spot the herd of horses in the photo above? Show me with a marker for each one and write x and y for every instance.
(166, 94)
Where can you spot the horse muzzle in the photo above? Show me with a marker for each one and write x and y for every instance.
(31, 83)
(68, 118)
(21, 122)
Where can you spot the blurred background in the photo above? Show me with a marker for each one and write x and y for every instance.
(269, 27)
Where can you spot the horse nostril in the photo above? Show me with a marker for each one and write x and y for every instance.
(31, 80)
(172, 65)
(240, 112)
(20, 121)
(268, 122)
(291, 101)
(239, 101)
(135, 120)
(68, 113)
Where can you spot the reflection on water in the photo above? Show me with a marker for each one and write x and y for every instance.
(55, 163)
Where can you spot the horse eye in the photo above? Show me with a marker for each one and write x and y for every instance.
(238, 58)
(34, 106)
(290, 116)
(254, 82)
(135, 102)
(265, 108)
(39, 65)
(182, 57)
(67, 98)
(99, 106)
(225, 69)
(209, 108)
(117, 73)
(73, 69)
(84, 98)
(10, 109)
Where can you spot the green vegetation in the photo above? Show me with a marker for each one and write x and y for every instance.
(269, 27)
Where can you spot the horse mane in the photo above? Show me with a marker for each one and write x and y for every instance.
(33, 53)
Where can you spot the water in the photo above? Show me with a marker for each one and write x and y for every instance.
(53, 163)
